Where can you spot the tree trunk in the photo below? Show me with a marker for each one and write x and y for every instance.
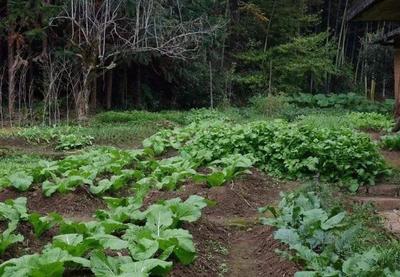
(124, 90)
(109, 89)
(11, 73)
(137, 95)
(82, 105)
(93, 95)
(83, 97)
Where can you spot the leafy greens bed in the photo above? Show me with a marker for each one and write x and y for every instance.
(127, 240)
(283, 149)
(124, 240)
(142, 241)
(327, 242)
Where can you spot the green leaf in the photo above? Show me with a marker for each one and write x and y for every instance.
(216, 179)
(43, 223)
(21, 181)
(110, 241)
(103, 266)
(287, 236)
(7, 238)
(75, 244)
(158, 218)
(361, 264)
(14, 210)
(144, 268)
(333, 221)
(143, 249)
(182, 241)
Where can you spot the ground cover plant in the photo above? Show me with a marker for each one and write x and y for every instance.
(150, 236)
(354, 120)
(350, 101)
(328, 241)
(283, 149)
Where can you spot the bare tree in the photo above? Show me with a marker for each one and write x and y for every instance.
(101, 33)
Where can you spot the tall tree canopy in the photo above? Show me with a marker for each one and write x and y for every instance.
(92, 54)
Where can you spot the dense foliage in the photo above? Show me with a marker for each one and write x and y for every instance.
(150, 237)
(203, 53)
(349, 101)
(285, 150)
(327, 241)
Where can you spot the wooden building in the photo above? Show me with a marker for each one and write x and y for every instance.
(383, 10)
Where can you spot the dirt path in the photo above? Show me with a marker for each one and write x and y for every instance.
(229, 240)
(252, 254)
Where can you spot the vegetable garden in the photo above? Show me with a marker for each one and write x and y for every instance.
(142, 205)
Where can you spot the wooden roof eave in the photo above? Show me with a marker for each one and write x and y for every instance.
(359, 7)
(375, 10)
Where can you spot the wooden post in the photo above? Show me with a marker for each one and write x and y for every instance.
(397, 83)
(397, 78)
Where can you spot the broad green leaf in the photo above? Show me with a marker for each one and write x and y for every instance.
(183, 244)
(103, 266)
(144, 268)
(216, 179)
(333, 221)
(287, 236)
(7, 238)
(110, 241)
(21, 181)
(158, 218)
(143, 249)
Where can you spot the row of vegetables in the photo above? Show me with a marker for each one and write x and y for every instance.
(123, 240)
(128, 240)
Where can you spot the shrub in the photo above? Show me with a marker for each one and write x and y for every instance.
(269, 105)
(369, 121)
(73, 141)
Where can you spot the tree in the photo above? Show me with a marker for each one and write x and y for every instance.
(297, 66)
(102, 33)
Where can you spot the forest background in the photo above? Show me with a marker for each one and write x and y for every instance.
(72, 58)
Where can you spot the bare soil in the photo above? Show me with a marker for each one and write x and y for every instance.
(392, 158)
(21, 146)
(229, 239)
(76, 205)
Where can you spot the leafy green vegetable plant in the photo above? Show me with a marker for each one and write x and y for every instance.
(283, 149)
(391, 142)
(73, 141)
(321, 239)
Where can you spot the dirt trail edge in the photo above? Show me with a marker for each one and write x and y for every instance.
(229, 239)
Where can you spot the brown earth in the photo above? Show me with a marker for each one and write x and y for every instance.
(392, 158)
(229, 239)
(77, 205)
(21, 146)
